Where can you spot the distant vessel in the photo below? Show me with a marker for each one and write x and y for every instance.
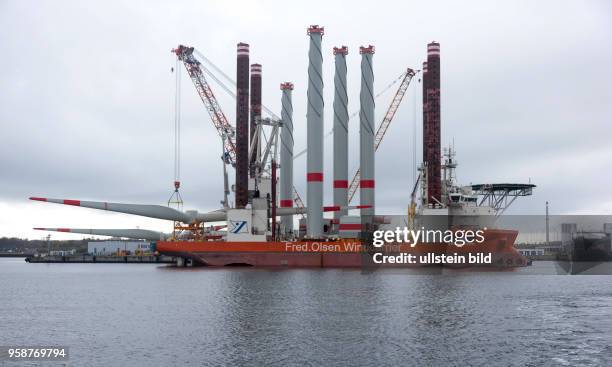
(588, 247)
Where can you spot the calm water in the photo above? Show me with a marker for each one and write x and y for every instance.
(131, 315)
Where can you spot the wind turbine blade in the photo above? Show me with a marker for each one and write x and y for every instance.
(143, 234)
(214, 216)
(151, 211)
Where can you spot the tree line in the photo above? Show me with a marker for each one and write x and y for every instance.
(23, 245)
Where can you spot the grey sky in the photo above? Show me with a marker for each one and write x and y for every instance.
(86, 99)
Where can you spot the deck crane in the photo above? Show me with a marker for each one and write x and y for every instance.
(192, 65)
(194, 68)
(413, 204)
(384, 125)
(224, 128)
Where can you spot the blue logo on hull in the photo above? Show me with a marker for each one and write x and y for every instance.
(239, 226)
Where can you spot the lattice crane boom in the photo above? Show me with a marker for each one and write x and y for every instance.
(224, 128)
(384, 125)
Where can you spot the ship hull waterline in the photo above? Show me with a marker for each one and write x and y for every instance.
(344, 253)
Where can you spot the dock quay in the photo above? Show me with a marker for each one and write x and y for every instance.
(128, 259)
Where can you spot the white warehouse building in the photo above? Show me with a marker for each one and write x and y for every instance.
(112, 247)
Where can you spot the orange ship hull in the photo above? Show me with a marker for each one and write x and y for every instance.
(341, 253)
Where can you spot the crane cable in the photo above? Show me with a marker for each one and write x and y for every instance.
(175, 198)
(228, 79)
(414, 130)
(177, 125)
(330, 132)
(356, 167)
(232, 94)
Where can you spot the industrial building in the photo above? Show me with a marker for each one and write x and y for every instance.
(62, 252)
(115, 247)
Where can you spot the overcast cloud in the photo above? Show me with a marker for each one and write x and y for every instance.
(86, 99)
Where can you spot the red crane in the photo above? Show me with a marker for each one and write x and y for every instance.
(224, 128)
(384, 125)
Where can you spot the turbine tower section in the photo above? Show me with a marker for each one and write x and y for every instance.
(255, 111)
(366, 134)
(314, 134)
(286, 156)
(341, 119)
(432, 136)
(242, 126)
(424, 96)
